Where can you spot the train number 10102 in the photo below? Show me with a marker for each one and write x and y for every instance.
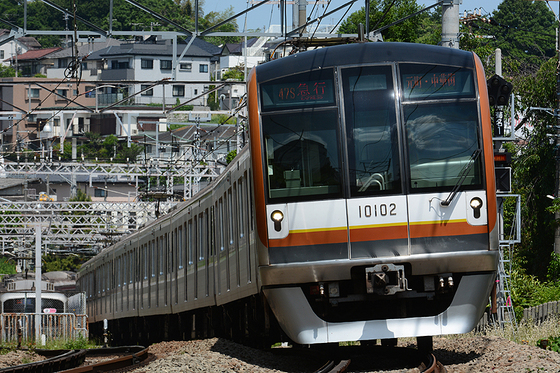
(368, 211)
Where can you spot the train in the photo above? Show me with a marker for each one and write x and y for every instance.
(18, 296)
(363, 208)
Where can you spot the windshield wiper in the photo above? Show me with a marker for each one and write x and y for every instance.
(462, 177)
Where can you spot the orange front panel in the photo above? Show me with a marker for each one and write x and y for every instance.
(256, 155)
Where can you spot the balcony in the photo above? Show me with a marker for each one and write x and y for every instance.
(117, 74)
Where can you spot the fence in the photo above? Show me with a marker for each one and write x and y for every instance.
(541, 312)
(55, 326)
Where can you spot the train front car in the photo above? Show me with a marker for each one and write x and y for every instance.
(374, 191)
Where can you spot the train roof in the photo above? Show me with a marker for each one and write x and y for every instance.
(360, 53)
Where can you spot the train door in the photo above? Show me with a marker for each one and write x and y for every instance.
(376, 209)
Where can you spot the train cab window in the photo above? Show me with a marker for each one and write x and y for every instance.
(300, 121)
(442, 126)
(371, 129)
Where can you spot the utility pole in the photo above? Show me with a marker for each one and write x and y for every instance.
(557, 115)
(450, 24)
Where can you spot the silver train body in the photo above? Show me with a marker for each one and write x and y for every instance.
(363, 209)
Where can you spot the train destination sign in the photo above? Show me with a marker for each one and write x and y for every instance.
(297, 93)
(437, 84)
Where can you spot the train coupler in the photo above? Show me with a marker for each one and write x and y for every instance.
(386, 279)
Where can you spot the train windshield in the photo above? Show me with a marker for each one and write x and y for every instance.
(371, 129)
(300, 131)
(441, 124)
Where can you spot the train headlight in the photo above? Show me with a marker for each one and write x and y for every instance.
(277, 216)
(476, 204)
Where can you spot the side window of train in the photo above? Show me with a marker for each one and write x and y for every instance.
(230, 216)
(250, 186)
(192, 230)
(221, 225)
(201, 236)
(212, 231)
(240, 209)
(371, 129)
(180, 241)
(145, 260)
(153, 261)
(161, 255)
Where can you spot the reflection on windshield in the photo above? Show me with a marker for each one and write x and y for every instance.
(369, 105)
(441, 140)
(302, 154)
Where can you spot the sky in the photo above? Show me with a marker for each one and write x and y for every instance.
(267, 14)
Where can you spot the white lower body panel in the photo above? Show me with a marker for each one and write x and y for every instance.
(303, 326)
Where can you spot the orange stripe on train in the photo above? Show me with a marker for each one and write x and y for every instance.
(378, 232)
(312, 237)
(444, 228)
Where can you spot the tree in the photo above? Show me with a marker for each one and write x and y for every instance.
(385, 12)
(534, 168)
(523, 30)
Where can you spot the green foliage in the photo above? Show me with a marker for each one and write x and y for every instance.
(7, 267)
(230, 156)
(52, 263)
(534, 169)
(385, 12)
(7, 71)
(524, 30)
(551, 343)
(109, 148)
(126, 17)
(80, 197)
(222, 119)
(235, 73)
(529, 291)
(80, 343)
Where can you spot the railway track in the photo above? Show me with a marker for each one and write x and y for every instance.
(72, 361)
(382, 358)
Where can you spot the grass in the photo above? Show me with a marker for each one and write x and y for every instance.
(527, 331)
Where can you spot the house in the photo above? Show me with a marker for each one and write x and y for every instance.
(239, 54)
(63, 58)
(33, 62)
(33, 105)
(152, 60)
(15, 46)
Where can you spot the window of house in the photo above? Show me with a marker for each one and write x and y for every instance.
(62, 92)
(90, 91)
(33, 92)
(149, 92)
(147, 63)
(115, 64)
(166, 64)
(185, 66)
(196, 91)
(203, 68)
(62, 63)
(178, 90)
(100, 192)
